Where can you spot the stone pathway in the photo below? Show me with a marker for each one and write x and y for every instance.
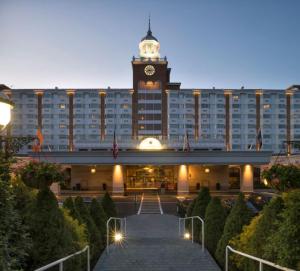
(152, 244)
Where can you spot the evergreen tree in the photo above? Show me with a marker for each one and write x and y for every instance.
(239, 216)
(215, 217)
(15, 242)
(109, 206)
(284, 243)
(94, 235)
(190, 208)
(51, 239)
(99, 216)
(69, 205)
(199, 210)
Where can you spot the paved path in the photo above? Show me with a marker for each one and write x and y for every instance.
(152, 244)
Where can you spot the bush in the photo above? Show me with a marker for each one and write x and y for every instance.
(15, 242)
(94, 235)
(215, 217)
(69, 205)
(51, 239)
(199, 210)
(239, 216)
(41, 175)
(190, 208)
(109, 206)
(99, 216)
(284, 243)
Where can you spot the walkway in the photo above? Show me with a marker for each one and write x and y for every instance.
(153, 244)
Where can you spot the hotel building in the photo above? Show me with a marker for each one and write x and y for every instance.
(153, 122)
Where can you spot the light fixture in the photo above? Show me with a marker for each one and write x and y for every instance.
(265, 182)
(187, 236)
(93, 170)
(150, 143)
(118, 237)
(207, 170)
(5, 108)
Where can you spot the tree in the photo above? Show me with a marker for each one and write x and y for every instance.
(190, 208)
(239, 216)
(283, 177)
(47, 226)
(215, 217)
(94, 235)
(69, 205)
(99, 216)
(109, 206)
(284, 243)
(15, 241)
(199, 210)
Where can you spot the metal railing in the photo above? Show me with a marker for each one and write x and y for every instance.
(183, 219)
(61, 261)
(261, 261)
(122, 228)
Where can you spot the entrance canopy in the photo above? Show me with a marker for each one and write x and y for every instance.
(162, 157)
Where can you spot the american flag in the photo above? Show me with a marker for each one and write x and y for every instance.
(259, 138)
(186, 143)
(115, 150)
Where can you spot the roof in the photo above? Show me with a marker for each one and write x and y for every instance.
(149, 35)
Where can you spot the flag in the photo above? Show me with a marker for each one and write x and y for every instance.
(115, 147)
(37, 147)
(186, 143)
(259, 138)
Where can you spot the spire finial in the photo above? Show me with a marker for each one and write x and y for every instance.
(149, 24)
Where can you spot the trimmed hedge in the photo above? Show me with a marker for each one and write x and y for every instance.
(99, 216)
(109, 206)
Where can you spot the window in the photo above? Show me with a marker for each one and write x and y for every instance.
(267, 106)
(61, 106)
(62, 126)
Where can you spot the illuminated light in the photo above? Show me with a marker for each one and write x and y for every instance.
(118, 237)
(5, 109)
(187, 236)
(150, 143)
(118, 179)
(93, 170)
(207, 170)
(265, 182)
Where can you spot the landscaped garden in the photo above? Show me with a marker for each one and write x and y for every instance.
(35, 230)
(272, 234)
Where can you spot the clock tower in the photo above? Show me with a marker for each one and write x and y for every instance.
(151, 82)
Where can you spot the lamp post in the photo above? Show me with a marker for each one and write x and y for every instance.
(6, 106)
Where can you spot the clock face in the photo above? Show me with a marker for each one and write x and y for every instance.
(149, 70)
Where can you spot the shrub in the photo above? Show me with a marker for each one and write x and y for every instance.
(283, 177)
(239, 216)
(41, 175)
(69, 205)
(15, 242)
(284, 243)
(190, 208)
(199, 210)
(109, 206)
(99, 216)
(215, 217)
(94, 235)
(51, 239)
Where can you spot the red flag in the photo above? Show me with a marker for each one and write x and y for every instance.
(37, 147)
(40, 137)
(115, 147)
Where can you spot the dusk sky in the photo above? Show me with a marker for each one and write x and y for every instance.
(82, 44)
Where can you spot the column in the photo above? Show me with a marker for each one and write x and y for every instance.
(71, 119)
(258, 127)
(183, 182)
(118, 180)
(102, 114)
(246, 184)
(288, 122)
(196, 98)
(39, 109)
(164, 113)
(134, 106)
(227, 94)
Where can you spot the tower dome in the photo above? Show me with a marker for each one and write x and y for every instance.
(149, 45)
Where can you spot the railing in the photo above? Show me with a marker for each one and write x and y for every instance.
(61, 261)
(261, 261)
(192, 234)
(122, 225)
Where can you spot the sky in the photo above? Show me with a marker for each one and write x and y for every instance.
(208, 43)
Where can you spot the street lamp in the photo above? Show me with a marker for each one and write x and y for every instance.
(5, 110)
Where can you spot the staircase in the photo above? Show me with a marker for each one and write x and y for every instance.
(150, 204)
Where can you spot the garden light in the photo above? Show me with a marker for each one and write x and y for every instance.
(187, 236)
(118, 237)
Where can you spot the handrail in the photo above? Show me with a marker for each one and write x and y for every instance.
(123, 228)
(62, 260)
(192, 218)
(261, 261)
